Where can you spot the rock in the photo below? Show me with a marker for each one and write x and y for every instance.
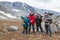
(53, 28)
(13, 39)
(13, 28)
(4, 30)
(1, 33)
(1, 29)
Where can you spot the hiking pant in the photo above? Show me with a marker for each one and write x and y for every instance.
(31, 25)
(39, 27)
(25, 30)
(48, 29)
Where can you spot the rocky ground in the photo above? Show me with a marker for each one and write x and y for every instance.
(17, 35)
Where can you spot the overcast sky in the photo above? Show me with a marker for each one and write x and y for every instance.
(41, 4)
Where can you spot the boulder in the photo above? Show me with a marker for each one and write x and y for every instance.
(13, 28)
(53, 28)
(4, 30)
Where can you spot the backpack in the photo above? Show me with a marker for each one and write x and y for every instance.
(26, 20)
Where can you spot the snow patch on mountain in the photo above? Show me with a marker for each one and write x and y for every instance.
(9, 15)
(3, 17)
(6, 14)
(15, 10)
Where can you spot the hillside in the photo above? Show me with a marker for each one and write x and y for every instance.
(17, 35)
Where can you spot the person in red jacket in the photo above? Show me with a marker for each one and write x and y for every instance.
(32, 21)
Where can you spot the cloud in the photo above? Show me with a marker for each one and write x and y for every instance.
(45, 1)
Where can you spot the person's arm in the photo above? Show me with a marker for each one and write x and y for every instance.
(41, 18)
(44, 18)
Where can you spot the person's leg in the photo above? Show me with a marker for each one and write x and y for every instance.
(24, 30)
(46, 27)
(40, 28)
(37, 28)
(33, 28)
(49, 28)
(29, 27)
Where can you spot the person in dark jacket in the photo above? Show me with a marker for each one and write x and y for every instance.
(47, 19)
(38, 22)
(32, 21)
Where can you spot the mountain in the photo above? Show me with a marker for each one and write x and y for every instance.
(15, 9)
(18, 6)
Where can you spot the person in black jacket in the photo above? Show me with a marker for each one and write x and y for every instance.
(38, 22)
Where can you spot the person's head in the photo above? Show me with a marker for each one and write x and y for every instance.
(31, 13)
(45, 14)
(37, 14)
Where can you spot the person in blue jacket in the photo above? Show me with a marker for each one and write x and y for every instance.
(25, 24)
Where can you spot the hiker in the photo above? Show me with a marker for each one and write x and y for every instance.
(47, 20)
(38, 22)
(32, 21)
(25, 24)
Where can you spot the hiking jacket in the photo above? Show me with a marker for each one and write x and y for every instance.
(48, 20)
(38, 20)
(25, 22)
(32, 19)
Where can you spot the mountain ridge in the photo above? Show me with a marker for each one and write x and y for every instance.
(23, 8)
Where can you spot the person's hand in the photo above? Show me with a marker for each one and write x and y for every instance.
(31, 21)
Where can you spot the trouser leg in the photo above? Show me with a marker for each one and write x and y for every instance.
(37, 28)
(49, 28)
(46, 27)
(33, 28)
(41, 28)
(29, 27)
(24, 30)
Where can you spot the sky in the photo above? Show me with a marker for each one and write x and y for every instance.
(41, 4)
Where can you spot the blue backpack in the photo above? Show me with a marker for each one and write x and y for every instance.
(26, 21)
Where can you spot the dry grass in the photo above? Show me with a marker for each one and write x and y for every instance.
(17, 35)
